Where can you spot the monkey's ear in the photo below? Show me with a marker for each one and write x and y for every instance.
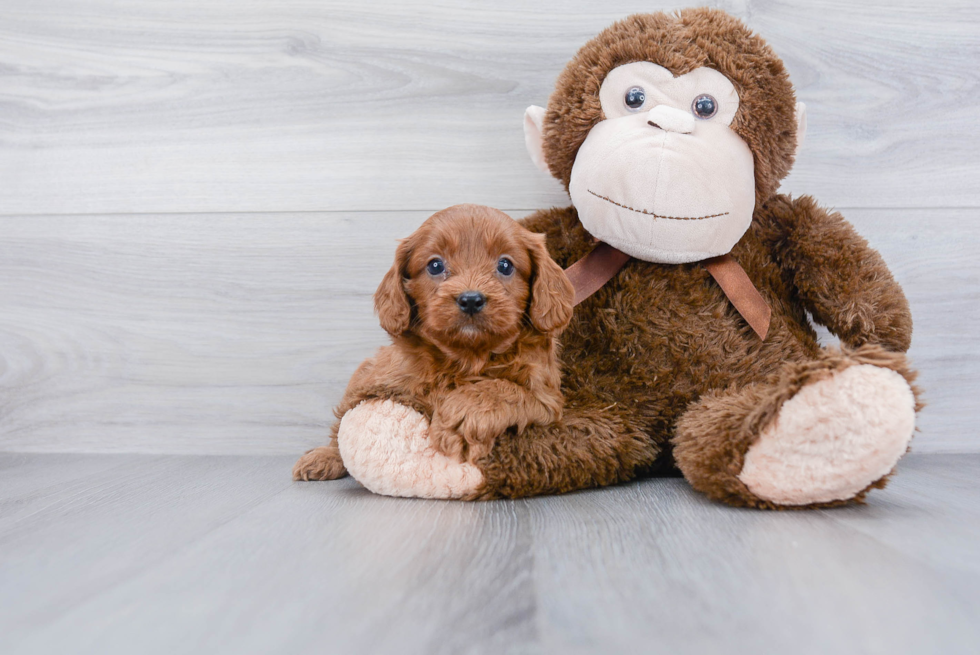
(390, 300)
(533, 129)
(800, 128)
(552, 293)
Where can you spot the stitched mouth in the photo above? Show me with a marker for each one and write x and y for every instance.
(649, 213)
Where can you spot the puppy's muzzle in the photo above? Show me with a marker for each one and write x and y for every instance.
(471, 302)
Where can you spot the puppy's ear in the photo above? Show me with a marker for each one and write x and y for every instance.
(390, 300)
(551, 292)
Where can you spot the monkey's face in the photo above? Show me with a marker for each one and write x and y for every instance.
(663, 177)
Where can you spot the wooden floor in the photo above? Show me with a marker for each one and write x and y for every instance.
(198, 554)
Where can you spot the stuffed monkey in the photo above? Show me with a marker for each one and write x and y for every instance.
(691, 348)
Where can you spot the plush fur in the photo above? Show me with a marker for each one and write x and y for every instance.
(395, 466)
(833, 438)
(714, 435)
(660, 371)
(471, 376)
(641, 353)
(680, 43)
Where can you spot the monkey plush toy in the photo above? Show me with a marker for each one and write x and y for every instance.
(694, 351)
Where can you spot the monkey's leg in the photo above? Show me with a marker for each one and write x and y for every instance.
(385, 447)
(820, 433)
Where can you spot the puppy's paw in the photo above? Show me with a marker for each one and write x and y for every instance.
(466, 425)
(323, 463)
(474, 413)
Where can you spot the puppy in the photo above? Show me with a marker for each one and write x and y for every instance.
(474, 305)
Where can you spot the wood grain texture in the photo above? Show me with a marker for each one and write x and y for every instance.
(237, 333)
(674, 571)
(250, 105)
(194, 554)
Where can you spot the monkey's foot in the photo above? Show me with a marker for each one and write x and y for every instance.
(820, 433)
(385, 447)
(833, 439)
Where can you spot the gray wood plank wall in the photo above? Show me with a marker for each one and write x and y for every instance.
(197, 199)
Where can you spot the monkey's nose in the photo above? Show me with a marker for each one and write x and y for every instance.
(670, 119)
(471, 302)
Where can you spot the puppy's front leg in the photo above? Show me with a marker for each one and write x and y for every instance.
(467, 421)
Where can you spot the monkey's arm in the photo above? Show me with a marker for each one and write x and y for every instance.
(842, 281)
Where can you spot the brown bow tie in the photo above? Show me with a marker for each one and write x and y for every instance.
(590, 273)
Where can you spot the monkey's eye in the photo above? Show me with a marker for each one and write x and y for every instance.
(704, 106)
(505, 267)
(635, 97)
(436, 267)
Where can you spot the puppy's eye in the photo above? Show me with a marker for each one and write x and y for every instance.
(436, 267)
(505, 267)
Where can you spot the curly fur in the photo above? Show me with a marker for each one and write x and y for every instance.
(474, 376)
(647, 346)
(723, 424)
(657, 364)
(659, 370)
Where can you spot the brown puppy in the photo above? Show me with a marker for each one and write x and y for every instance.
(473, 304)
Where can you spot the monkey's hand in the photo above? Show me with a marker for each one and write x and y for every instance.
(842, 281)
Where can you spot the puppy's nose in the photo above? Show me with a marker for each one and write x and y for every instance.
(471, 302)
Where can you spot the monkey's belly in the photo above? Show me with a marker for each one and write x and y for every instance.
(663, 341)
